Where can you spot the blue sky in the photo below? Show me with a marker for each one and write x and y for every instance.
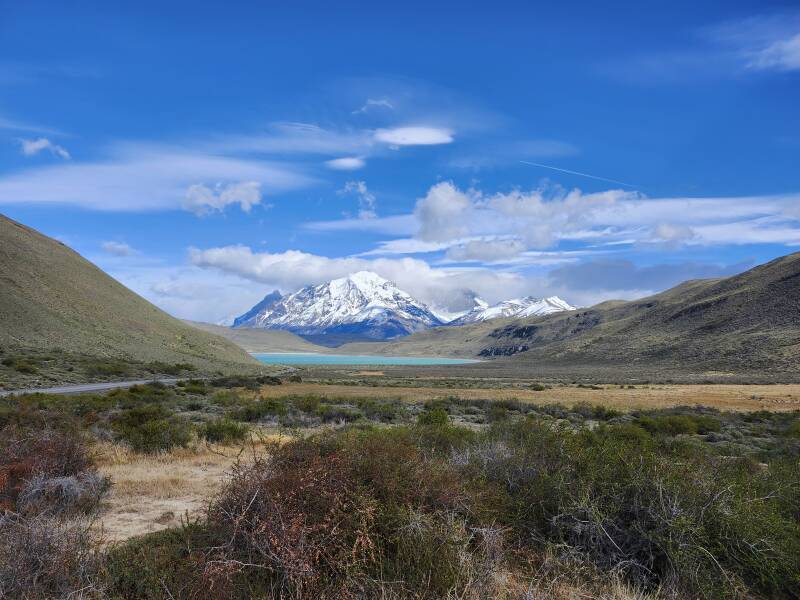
(205, 154)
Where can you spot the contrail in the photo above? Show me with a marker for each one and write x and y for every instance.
(533, 164)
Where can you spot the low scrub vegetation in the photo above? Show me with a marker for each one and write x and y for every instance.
(436, 510)
(375, 497)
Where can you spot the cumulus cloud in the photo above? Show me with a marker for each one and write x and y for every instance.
(117, 248)
(366, 200)
(673, 234)
(347, 163)
(448, 213)
(34, 147)
(486, 250)
(445, 213)
(414, 136)
(202, 200)
(293, 269)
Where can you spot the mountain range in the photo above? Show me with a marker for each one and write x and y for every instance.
(746, 323)
(365, 306)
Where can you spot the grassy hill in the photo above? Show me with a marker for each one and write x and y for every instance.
(59, 310)
(261, 340)
(748, 323)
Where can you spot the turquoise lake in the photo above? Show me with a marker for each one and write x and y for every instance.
(344, 359)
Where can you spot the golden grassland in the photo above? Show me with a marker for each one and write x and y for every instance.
(775, 397)
(151, 492)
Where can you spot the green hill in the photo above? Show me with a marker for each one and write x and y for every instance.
(56, 308)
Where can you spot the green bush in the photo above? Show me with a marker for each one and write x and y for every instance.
(158, 566)
(21, 365)
(436, 415)
(667, 515)
(152, 428)
(223, 431)
(668, 424)
(107, 369)
(264, 407)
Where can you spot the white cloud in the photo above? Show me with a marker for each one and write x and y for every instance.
(366, 200)
(141, 178)
(544, 217)
(201, 199)
(347, 163)
(783, 55)
(33, 147)
(673, 234)
(414, 136)
(297, 138)
(293, 269)
(117, 248)
(445, 213)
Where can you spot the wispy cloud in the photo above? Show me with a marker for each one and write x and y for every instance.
(374, 103)
(117, 248)
(10, 124)
(347, 163)
(33, 147)
(414, 135)
(202, 199)
(367, 202)
(144, 178)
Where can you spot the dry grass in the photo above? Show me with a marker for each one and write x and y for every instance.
(152, 492)
(779, 397)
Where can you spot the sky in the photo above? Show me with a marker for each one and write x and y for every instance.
(205, 154)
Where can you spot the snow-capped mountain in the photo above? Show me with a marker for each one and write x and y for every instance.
(363, 305)
(529, 306)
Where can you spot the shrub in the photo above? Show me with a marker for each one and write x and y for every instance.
(169, 369)
(668, 424)
(538, 387)
(223, 431)
(161, 565)
(435, 416)
(63, 496)
(697, 525)
(152, 428)
(595, 411)
(44, 453)
(264, 407)
(107, 369)
(336, 514)
(47, 558)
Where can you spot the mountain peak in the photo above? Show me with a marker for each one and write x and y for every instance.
(362, 305)
(529, 306)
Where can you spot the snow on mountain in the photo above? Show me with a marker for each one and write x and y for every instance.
(363, 305)
(529, 306)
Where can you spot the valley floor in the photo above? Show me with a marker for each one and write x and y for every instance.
(777, 397)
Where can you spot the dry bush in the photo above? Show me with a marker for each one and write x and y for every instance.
(63, 496)
(45, 558)
(360, 514)
(46, 453)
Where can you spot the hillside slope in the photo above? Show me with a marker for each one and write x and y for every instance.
(261, 340)
(53, 300)
(745, 323)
